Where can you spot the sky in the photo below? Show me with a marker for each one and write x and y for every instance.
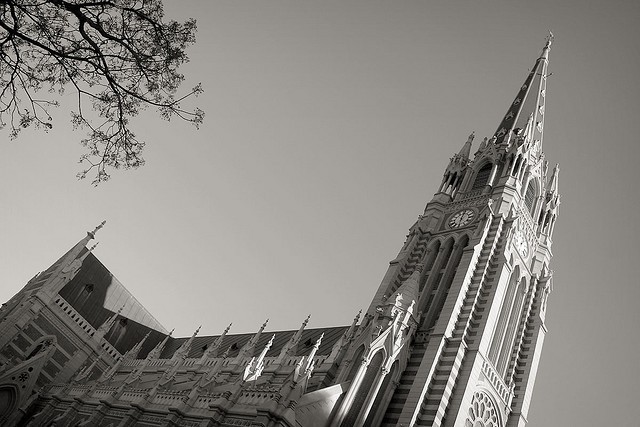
(328, 127)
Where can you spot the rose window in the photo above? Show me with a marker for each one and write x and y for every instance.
(482, 412)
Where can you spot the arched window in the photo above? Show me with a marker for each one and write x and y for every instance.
(482, 177)
(530, 197)
(379, 405)
(355, 363)
(505, 311)
(363, 390)
(512, 326)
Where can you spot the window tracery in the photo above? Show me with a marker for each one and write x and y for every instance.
(483, 412)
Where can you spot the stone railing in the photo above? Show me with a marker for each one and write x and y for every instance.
(169, 398)
(85, 326)
(505, 393)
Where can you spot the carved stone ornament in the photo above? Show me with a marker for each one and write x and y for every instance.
(482, 412)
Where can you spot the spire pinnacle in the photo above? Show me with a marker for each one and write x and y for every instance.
(92, 234)
(466, 148)
(529, 104)
(549, 40)
(103, 329)
(314, 350)
(552, 186)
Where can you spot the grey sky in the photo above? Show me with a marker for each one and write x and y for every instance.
(328, 127)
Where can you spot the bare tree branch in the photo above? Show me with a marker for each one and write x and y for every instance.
(118, 55)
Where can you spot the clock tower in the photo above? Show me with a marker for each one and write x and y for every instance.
(454, 332)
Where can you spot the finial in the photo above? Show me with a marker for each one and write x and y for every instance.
(473, 135)
(93, 247)
(318, 341)
(93, 233)
(549, 40)
(306, 321)
(171, 333)
(197, 331)
(226, 353)
(355, 320)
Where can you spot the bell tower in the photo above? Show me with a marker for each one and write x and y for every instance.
(454, 332)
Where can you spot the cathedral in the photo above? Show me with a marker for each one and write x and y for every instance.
(452, 335)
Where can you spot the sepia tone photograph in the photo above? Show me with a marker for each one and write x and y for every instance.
(319, 213)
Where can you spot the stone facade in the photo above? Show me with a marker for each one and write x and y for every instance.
(452, 336)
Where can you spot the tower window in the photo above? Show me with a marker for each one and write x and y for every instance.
(482, 177)
(530, 196)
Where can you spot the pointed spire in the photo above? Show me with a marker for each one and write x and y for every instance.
(183, 351)
(465, 151)
(529, 102)
(135, 350)
(155, 353)
(212, 350)
(107, 325)
(410, 288)
(256, 365)
(92, 234)
(350, 332)
(249, 347)
(309, 365)
(552, 186)
(483, 145)
(290, 347)
(131, 354)
(86, 254)
(86, 372)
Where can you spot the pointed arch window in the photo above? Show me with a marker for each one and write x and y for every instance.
(482, 177)
(530, 197)
(363, 390)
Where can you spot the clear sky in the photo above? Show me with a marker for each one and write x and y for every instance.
(329, 125)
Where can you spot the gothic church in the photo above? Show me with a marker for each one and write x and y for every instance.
(452, 336)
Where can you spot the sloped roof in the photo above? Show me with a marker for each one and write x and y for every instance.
(308, 339)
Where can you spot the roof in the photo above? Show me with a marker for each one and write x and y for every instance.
(236, 342)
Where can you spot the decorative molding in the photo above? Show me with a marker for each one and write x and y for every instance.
(468, 202)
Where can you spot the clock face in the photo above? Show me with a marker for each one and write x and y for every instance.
(521, 243)
(461, 218)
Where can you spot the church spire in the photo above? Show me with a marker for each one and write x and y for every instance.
(465, 151)
(528, 106)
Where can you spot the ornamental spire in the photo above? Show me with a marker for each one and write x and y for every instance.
(212, 350)
(92, 234)
(465, 151)
(249, 347)
(289, 349)
(529, 102)
(107, 325)
(183, 350)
